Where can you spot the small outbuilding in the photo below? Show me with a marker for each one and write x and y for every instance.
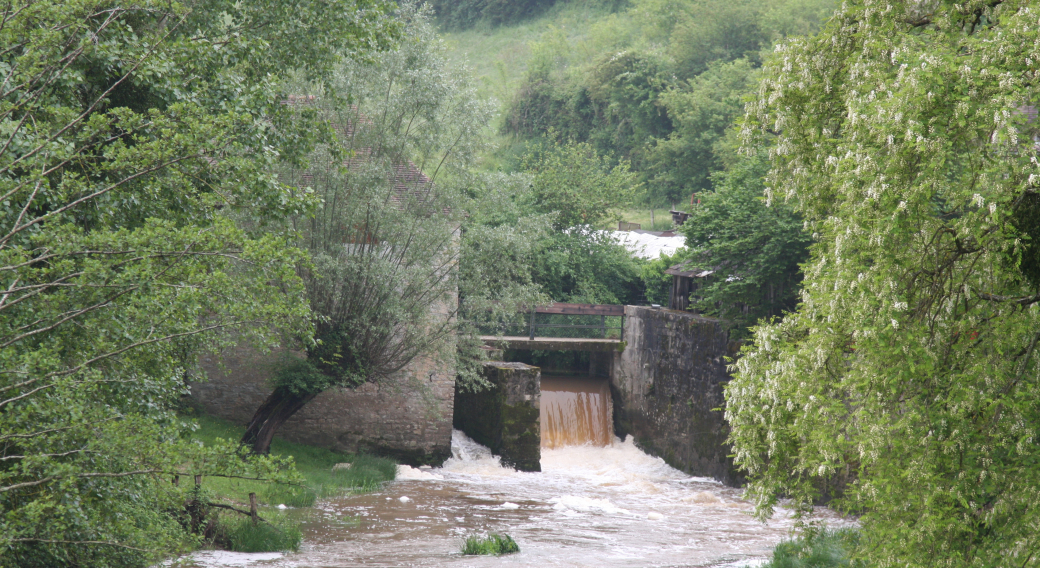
(686, 278)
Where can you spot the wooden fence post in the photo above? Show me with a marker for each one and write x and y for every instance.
(252, 507)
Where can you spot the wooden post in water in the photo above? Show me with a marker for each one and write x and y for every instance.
(252, 507)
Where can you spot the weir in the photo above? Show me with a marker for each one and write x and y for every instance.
(575, 411)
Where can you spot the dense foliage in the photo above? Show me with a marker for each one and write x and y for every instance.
(136, 141)
(906, 138)
(461, 14)
(657, 85)
(579, 190)
(383, 277)
(754, 248)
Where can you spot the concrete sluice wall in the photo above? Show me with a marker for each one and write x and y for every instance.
(505, 416)
(663, 389)
(667, 384)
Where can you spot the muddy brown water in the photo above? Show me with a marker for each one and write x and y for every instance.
(575, 411)
(598, 502)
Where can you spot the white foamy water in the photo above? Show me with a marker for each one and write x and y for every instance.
(604, 507)
(598, 501)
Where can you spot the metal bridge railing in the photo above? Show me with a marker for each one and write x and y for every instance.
(603, 311)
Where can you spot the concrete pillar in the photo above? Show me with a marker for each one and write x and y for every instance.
(505, 417)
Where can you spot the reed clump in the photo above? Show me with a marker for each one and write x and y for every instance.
(817, 549)
(278, 534)
(491, 545)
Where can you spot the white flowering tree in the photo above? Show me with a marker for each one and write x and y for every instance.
(906, 139)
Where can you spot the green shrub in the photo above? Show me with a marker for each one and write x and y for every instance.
(492, 545)
(820, 549)
(275, 536)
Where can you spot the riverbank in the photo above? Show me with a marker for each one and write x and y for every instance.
(326, 474)
(366, 472)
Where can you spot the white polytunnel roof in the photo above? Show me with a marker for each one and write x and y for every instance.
(648, 245)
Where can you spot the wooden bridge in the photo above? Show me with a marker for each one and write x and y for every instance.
(548, 342)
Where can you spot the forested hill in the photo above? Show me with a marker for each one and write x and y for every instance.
(655, 82)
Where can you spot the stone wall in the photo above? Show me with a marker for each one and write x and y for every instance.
(505, 418)
(665, 385)
(407, 417)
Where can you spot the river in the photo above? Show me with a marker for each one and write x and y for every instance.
(598, 501)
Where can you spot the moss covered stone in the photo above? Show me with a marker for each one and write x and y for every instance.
(504, 417)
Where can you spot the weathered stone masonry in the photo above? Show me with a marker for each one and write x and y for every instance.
(505, 417)
(407, 417)
(666, 385)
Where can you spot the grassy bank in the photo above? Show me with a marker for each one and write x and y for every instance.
(824, 549)
(366, 473)
(499, 55)
(279, 529)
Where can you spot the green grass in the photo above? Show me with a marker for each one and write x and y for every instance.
(823, 549)
(279, 534)
(499, 56)
(492, 545)
(662, 218)
(368, 473)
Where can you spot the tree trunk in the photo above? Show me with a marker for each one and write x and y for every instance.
(278, 408)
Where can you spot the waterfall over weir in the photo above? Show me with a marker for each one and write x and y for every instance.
(598, 501)
(575, 411)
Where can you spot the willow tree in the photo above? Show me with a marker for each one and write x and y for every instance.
(135, 143)
(907, 139)
(384, 243)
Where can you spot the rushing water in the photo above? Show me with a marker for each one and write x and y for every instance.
(604, 503)
(575, 411)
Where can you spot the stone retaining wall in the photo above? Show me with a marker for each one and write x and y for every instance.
(505, 418)
(407, 417)
(667, 383)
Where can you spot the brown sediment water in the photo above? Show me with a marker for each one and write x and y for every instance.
(598, 501)
(575, 411)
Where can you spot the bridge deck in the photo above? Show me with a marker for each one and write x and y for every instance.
(556, 343)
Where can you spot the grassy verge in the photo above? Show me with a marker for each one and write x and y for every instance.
(280, 528)
(366, 473)
(824, 549)
(241, 535)
(492, 545)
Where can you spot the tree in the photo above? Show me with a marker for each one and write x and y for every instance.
(907, 141)
(702, 110)
(580, 191)
(754, 248)
(383, 277)
(135, 146)
(578, 185)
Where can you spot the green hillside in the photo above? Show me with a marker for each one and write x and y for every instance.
(655, 82)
